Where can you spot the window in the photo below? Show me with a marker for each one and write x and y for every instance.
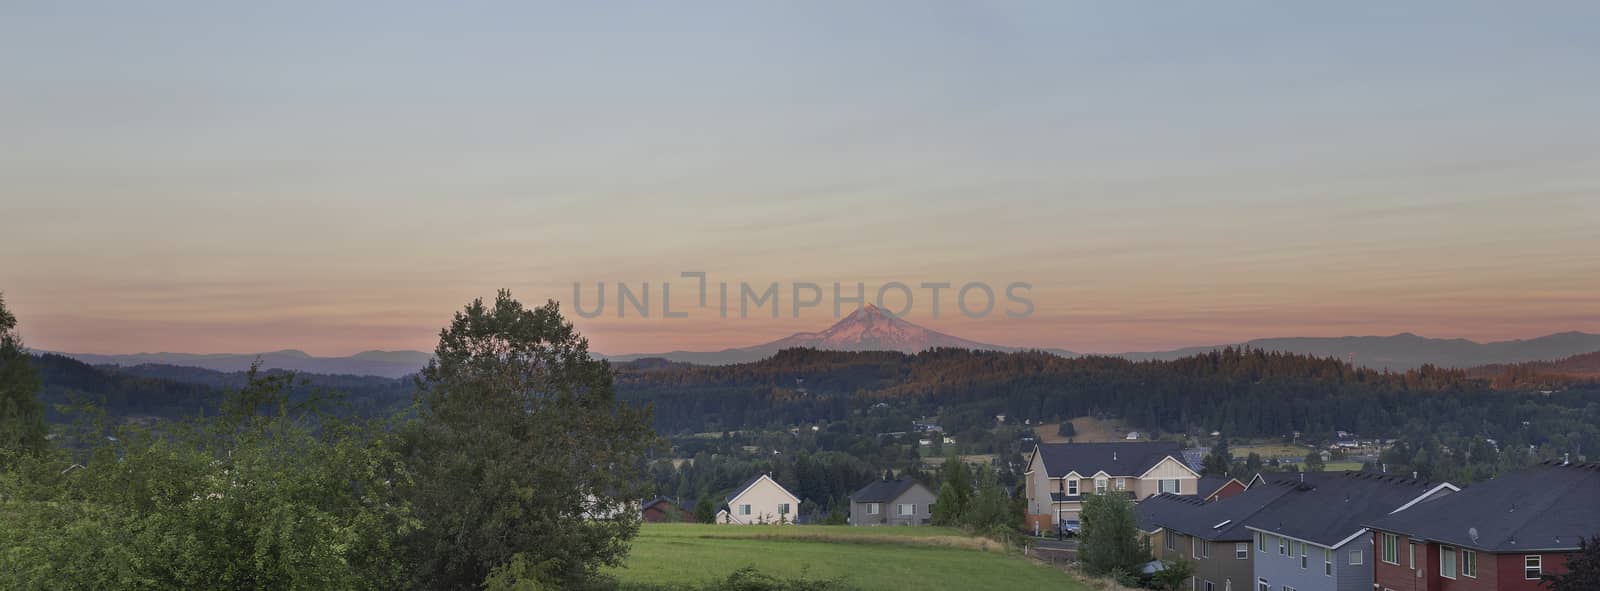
(1261, 542)
(1469, 563)
(1327, 562)
(1447, 562)
(1197, 547)
(783, 508)
(1355, 558)
(1304, 562)
(1288, 588)
(1122, 484)
(1210, 586)
(1099, 486)
(872, 508)
(1072, 487)
(1389, 544)
(1411, 555)
(1283, 547)
(1169, 485)
(1261, 585)
(1532, 567)
(744, 509)
(1241, 550)
(1171, 545)
(908, 508)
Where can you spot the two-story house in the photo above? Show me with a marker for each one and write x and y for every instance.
(760, 500)
(892, 502)
(1059, 474)
(1315, 538)
(1500, 535)
(1209, 535)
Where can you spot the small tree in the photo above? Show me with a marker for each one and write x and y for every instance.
(22, 425)
(1110, 537)
(1314, 462)
(1583, 569)
(1173, 575)
(954, 495)
(1066, 429)
(704, 510)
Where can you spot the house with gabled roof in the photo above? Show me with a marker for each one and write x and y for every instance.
(1214, 488)
(760, 500)
(1315, 539)
(1210, 535)
(892, 502)
(1505, 534)
(1060, 474)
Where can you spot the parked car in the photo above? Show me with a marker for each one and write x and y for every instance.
(1070, 528)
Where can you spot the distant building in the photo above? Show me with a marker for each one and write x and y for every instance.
(1216, 488)
(892, 502)
(760, 500)
(1132, 436)
(1060, 474)
(662, 509)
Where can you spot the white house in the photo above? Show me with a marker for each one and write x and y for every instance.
(760, 500)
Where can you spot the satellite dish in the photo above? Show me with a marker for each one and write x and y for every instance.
(1472, 532)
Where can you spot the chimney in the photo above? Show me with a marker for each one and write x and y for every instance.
(1113, 455)
(1413, 475)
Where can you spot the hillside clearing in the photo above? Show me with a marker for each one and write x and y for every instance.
(873, 558)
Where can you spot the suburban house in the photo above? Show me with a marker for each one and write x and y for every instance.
(1213, 488)
(1209, 535)
(759, 500)
(662, 509)
(892, 502)
(1315, 538)
(1500, 535)
(1059, 474)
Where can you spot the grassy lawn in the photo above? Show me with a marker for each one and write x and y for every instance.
(885, 558)
(1270, 450)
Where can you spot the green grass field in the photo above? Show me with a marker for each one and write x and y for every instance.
(874, 558)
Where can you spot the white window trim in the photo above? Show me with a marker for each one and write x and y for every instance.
(1455, 562)
(1072, 487)
(1465, 553)
(1241, 551)
(1263, 585)
(874, 508)
(1538, 564)
(1387, 542)
(906, 509)
(1356, 559)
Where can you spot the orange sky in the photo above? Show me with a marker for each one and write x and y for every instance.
(209, 181)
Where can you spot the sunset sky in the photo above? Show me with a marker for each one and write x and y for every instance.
(193, 177)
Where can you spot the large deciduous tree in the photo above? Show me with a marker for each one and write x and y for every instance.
(1110, 537)
(22, 425)
(525, 462)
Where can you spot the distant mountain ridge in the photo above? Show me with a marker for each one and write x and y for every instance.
(389, 364)
(1406, 350)
(869, 328)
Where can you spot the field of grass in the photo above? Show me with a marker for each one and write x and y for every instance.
(873, 558)
(1089, 429)
(1269, 450)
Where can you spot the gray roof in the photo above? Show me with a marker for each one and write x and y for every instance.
(1548, 507)
(1209, 484)
(1130, 458)
(883, 491)
(1222, 520)
(1333, 506)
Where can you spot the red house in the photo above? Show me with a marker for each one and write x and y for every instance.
(1500, 535)
(662, 509)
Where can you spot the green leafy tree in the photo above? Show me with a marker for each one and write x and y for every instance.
(1583, 569)
(242, 501)
(1174, 576)
(955, 494)
(1110, 537)
(1066, 429)
(704, 510)
(22, 425)
(521, 451)
(1220, 461)
(1314, 462)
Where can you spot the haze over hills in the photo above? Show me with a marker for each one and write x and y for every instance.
(872, 329)
(389, 364)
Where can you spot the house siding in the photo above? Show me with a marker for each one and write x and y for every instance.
(1496, 572)
(764, 497)
(1280, 570)
(1166, 469)
(918, 495)
(1220, 568)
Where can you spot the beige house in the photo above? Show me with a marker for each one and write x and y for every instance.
(760, 500)
(1060, 474)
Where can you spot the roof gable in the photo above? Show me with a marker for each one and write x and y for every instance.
(751, 483)
(1130, 458)
(1547, 507)
(1330, 508)
(885, 491)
